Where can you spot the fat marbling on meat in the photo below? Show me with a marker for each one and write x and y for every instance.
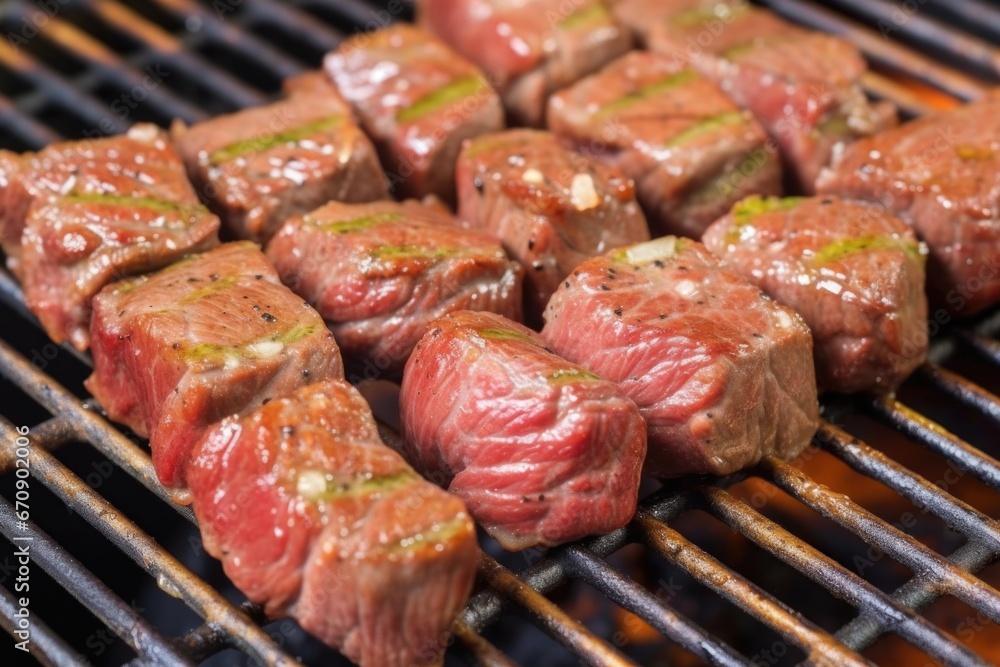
(258, 166)
(78, 215)
(530, 48)
(691, 152)
(552, 208)
(803, 86)
(541, 450)
(721, 372)
(418, 100)
(852, 270)
(380, 273)
(209, 336)
(940, 174)
(314, 517)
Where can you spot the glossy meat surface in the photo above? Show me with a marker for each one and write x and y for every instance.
(550, 207)
(380, 273)
(259, 166)
(78, 215)
(691, 152)
(941, 174)
(528, 48)
(802, 86)
(853, 271)
(540, 450)
(209, 336)
(722, 373)
(314, 517)
(418, 100)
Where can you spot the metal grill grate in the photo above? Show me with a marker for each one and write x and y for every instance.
(96, 66)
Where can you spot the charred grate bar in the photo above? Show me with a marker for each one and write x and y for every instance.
(93, 67)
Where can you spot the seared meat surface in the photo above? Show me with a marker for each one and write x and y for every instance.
(530, 48)
(313, 516)
(380, 273)
(80, 214)
(212, 335)
(690, 150)
(853, 271)
(802, 86)
(259, 166)
(941, 174)
(541, 450)
(418, 100)
(721, 372)
(550, 207)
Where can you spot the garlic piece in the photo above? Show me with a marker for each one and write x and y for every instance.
(584, 195)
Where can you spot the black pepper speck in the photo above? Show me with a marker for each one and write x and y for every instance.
(268, 317)
(619, 310)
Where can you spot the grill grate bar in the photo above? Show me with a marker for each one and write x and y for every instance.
(208, 639)
(90, 591)
(69, 98)
(883, 88)
(915, 594)
(837, 579)
(913, 424)
(47, 647)
(105, 65)
(972, 13)
(169, 573)
(877, 612)
(244, 43)
(882, 535)
(924, 494)
(984, 345)
(972, 51)
(550, 617)
(889, 55)
(628, 594)
(319, 37)
(744, 594)
(965, 391)
(89, 426)
(487, 655)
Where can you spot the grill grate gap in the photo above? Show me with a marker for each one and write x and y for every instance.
(292, 28)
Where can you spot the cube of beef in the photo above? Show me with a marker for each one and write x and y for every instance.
(207, 337)
(940, 174)
(550, 207)
(722, 373)
(803, 86)
(314, 517)
(80, 214)
(418, 100)
(380, 273)
(259, 166)
(690, 150)
(709, 25)
(854, 271)
(541, 451)
(528, 49)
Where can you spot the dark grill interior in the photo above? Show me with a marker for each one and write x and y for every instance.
(876, 545)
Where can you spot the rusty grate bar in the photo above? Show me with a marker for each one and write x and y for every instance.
(90, 591)
(882, 535)
(504, 590)
(169, 573)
